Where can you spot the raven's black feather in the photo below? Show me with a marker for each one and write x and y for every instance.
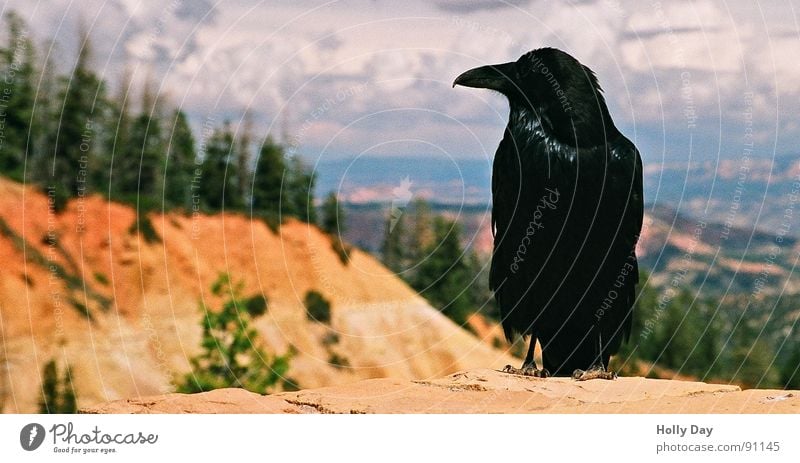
(567, 211)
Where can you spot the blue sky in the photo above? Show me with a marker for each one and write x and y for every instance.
(684, 79)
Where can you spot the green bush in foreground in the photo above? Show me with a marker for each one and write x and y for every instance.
(231, 354)
(58, 395)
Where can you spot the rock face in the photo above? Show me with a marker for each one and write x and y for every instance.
(84, 287)
(478, 391)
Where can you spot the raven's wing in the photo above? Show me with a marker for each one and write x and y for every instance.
(520, 181)
(553, 264)
(627, 191)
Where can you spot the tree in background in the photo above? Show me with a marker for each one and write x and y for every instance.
(180, 162)
(45, 122)
(282, 187)
(17, 97)
(267, 180)
(82, 97)
(443, 277)
(481, 294)
(299, 191)
(139, 178)
(58, 394)
(751, 357)
(394, 249)
(231, 355)
(332, 221)
(76, 141)
(433, 260)
(114, 136)
(790, 368)
(422, 232)
(220, 172)
(243, 158)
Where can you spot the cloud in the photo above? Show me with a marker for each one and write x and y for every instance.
(469, 6)
(196, 10)
(283, 60)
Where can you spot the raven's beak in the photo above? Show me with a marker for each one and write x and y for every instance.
(494, 77)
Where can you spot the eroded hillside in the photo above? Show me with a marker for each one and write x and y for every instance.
(90, 288)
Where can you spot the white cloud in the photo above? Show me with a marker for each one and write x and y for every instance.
(268, 57)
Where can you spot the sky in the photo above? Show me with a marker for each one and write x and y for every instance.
(686, 80)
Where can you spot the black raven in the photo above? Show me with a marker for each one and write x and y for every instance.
(566, 215)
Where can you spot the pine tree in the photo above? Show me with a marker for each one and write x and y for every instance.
(299, 191)
(69, 403)
(58, 394)
(45, 122)
(17, 97)
(421, 235)
(267, 180)
(74, 142)
(332, 216)
(49, 400)
(243, 158)
(140, 179)
(181, 162)
(394, 251)
(480, 293)
(790, 368)
(220, 190)
(114, 171)
(443, 276)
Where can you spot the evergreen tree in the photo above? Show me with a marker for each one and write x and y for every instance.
(751, 362)
(220, 190)
(480, 294)
(243, 158)
(49, 398)
(332, 216)
(443, 276)
(140, 178)
(74, 141)
(393, 249)
(267, 190)
(421, 235)
(58, 394)
(790, 368)
(180, 165)
(299, 191)
(69, 403)
(114, 171)
(707, 350)
(45, 122)
(17, 97)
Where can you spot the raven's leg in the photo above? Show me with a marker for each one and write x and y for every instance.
(529, 365)
(597, 370)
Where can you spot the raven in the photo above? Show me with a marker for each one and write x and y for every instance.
(566, 215)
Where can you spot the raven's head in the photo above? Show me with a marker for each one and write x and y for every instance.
(553, 89)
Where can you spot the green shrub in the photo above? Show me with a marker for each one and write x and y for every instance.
(231, 356)
(144, 226)
(342, 250)
(100, 278)
(317, 307)
(58, 393)
(256, 305)
(330, 339)
(339, 362)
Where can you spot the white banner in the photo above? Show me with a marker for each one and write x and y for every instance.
(399, 438)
